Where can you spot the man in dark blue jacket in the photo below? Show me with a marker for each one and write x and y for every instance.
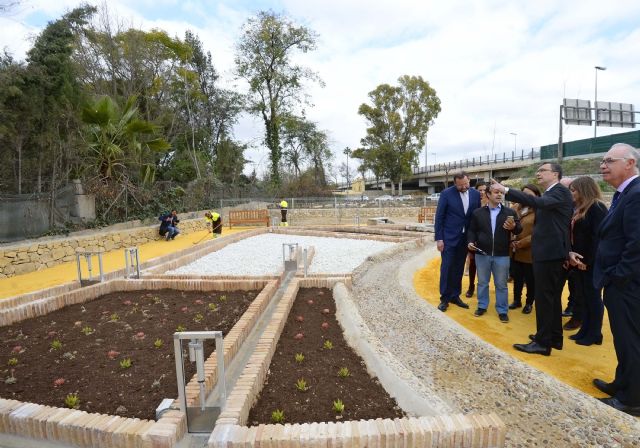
(617, 269)
(490, 237)
(169, 225)
(453, 214)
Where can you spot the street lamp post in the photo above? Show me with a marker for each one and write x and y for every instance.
(595, 104)
(515, 140)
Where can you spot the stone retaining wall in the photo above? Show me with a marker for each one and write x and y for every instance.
(35, 255)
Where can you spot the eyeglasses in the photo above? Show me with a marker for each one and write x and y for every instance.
(609, 160)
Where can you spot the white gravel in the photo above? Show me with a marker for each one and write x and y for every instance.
(262, 255)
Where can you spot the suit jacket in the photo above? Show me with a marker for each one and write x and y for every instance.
(554, 209)
(585, 233)
(618, 253)
(451, 222)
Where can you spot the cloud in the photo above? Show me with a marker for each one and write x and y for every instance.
(499, 67)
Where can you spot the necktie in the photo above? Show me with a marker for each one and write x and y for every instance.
(614, 201)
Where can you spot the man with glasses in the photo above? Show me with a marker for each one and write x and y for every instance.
(550, 245)
(617, 269)
(453, 215)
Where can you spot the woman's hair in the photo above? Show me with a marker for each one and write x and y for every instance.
(588, 194)
(533, 188)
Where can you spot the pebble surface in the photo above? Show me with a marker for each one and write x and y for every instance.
(467, 374)
(262, 255)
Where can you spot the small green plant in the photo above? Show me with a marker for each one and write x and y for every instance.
(114, 317)
(338, 406)
(87, 330)
(56, 344)
(156, 300)
(213, 307)
(12, 362)
(158, 343)
(125, 363)
(301, 385)
(72, 401)
(277, 416)
(343, 372)
(222, 298)
(181, 328)
(328, 344)
(299, 357)
(198, 318)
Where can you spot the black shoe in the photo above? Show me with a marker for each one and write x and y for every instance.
(572, 324)
(515, 305)
(527, 309)
(503, 318)
(554, 345)
(533, 348)
(470, 292)
(459, 302)
(617, 404)
(605, 387)
(443, 306)
(587, 342)
(479, 312)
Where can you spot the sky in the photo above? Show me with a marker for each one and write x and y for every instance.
(500, 68)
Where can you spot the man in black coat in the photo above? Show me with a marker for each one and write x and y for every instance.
(550, 245)
(617, 269)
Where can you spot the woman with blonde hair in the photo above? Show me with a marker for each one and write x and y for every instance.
(587, 217)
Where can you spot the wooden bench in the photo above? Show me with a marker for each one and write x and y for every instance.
(427, 214)
(249, 216)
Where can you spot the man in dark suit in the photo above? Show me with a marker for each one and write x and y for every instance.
(550, 245)
(617, 269)
(453, 215)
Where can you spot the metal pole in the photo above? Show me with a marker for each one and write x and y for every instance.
(560, 151)
(79, 270)
(100, 266)
(595, 104)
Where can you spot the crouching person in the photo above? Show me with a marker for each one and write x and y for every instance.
(169, 225)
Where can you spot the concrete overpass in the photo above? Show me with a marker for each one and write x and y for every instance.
(433, 178)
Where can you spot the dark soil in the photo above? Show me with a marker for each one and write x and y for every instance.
(118, 326)
(363, 396)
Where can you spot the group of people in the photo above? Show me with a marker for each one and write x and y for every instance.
(557, 229)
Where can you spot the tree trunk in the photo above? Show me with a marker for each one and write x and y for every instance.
(400, 187)
(19, 173)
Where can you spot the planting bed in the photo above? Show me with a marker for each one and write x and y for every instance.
(98, 335)
(310, 324)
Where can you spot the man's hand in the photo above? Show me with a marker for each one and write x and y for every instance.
(440, 245)
(497, 185)
(471, 247)
(509, 224)
(576, 260)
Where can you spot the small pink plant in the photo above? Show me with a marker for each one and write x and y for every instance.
(298, 336)
(320, 293)
(140, 335)
(17, 349)
(77, 323)
(199, 302)
(300, 318)
(112, 354)
(325, 325)
(310, 301)
(52, 334)
(127, 302)
(58, 382)
(184, 309)
(326, 311)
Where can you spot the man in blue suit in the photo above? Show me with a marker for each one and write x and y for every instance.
(453, 215)
(617, 269)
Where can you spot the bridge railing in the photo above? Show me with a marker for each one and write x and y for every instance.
(506, 157)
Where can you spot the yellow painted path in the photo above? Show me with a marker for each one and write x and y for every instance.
(575, 365)
(112, 261)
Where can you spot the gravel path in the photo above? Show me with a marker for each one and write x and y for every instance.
(262, 255)
(467, 374)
